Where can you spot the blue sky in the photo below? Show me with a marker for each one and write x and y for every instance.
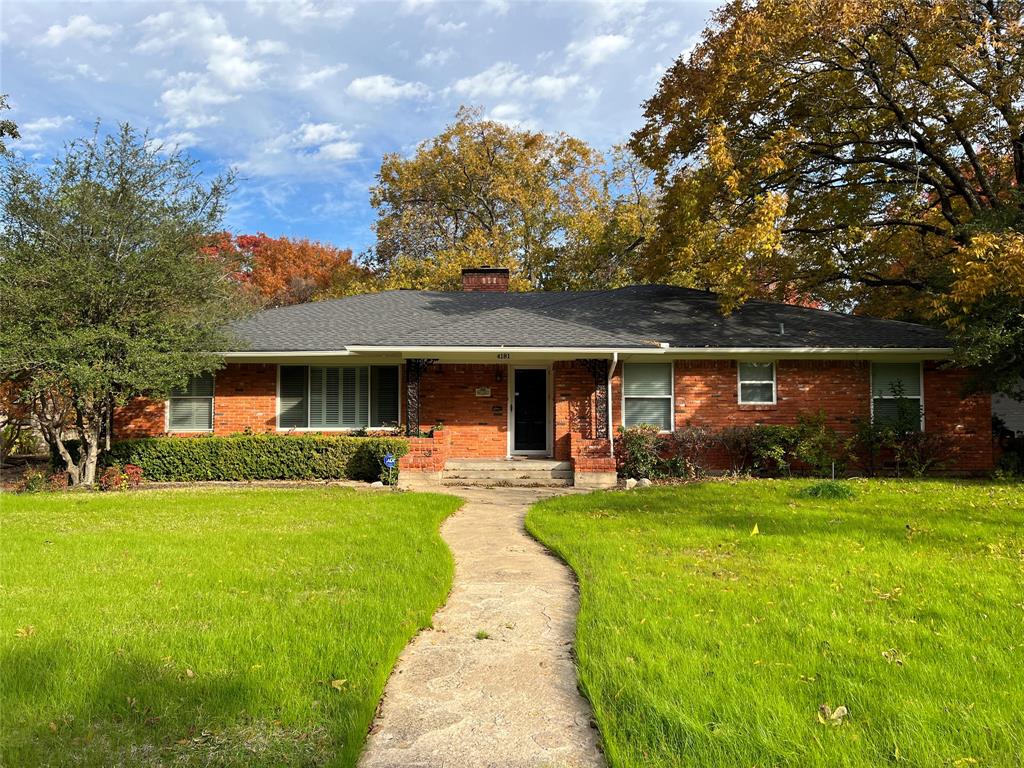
(304, 97)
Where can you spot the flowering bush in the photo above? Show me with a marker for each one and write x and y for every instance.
(120, 478)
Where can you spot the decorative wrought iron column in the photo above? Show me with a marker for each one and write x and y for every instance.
(599, 370)
(414, 370)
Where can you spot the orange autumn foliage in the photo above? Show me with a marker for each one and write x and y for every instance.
(278, 271)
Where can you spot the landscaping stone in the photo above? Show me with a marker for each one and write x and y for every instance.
(507, 701)
(643, 482)
(630, 483)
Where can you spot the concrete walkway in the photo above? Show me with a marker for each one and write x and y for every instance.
(508, 701)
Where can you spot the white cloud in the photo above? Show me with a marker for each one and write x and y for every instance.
(190, 106)
(177, 140)
(312, 148)
(85, 70)
(385, 88)
(79, 27)
(41, 124)
(310, 78)
(512, 115)
(597, 49)
(506, 79)
(437, 57)
(229, 60)
(192, 99)
(169, 30)
(296, 13)
(499, 7)
(447, 27)
(270, 47)
(32, 131)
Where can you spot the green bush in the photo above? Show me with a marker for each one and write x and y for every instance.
(638, 451)
(818, 445)
(764, 449)
(258, 457)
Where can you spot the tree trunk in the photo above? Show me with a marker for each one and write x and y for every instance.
(89, 453)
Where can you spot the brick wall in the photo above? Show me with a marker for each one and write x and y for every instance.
(705, 395)
(141, 417)
(479, 425)
(245, 396)
(967, 420)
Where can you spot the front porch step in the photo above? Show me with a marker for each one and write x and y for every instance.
(511, 472)
(508, 482)
(507, 465)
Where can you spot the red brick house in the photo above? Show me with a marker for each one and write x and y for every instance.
(553, 375)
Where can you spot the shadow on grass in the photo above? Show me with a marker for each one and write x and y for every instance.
(134, 712)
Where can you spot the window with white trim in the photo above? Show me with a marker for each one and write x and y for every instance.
(756, 383)
(896, 394)
(338, 397)
(190, 408)
(647, 395)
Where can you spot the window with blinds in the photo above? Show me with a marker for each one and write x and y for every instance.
(647, 394)
(190, 408)
(338, 397)
(756, 383)
(896, 394)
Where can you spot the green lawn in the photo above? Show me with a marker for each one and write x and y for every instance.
(208, 627)
(701, 644)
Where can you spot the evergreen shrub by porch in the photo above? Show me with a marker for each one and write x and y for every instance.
(258, 457)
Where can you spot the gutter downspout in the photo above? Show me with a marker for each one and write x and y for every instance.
(611, 406)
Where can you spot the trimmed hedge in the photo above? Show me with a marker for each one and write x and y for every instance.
(257, 457)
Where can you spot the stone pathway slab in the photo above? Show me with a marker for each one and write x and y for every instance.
(509, 701)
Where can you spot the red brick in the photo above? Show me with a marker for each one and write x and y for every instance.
(705, 395)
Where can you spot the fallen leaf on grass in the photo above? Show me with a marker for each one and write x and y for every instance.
(829, 716)
(338, 684)
(755, 532)
(27, 631)
(53, 727)
(893, 656)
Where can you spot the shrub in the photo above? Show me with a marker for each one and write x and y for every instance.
(920, 452)
(818, 445)
(33, 481)
(638, 451)
(257, 457)
(120, 478)
(827, 489)
(692, 445)
(865, 445)
(773, 446)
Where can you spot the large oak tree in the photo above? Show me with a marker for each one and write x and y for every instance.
(547, 206)
(863, 153)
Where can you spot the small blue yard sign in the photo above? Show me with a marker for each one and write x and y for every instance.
(389, 460)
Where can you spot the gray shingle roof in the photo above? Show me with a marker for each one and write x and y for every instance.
(633, 317)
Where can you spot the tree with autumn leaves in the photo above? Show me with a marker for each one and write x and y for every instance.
(277, 271)
(867, 154)
(551, 208)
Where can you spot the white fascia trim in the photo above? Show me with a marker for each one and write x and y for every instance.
(518, 350)
(723, 351)
(321, 353)
(661, 349)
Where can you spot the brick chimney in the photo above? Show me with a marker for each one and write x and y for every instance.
(485, 279)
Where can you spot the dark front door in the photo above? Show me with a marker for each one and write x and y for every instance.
(529, 409)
